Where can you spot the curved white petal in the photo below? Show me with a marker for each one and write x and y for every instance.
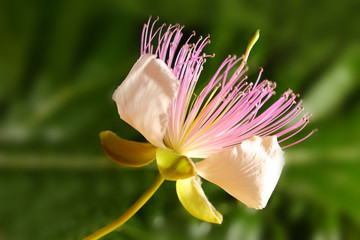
(144, 97)
(248, 172)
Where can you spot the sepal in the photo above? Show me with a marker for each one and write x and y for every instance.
(173, 166)
(194, 200)
(125, 152)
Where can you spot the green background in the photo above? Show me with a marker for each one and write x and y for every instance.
(60, 62)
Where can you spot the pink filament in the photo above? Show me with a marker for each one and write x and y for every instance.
(226, 112)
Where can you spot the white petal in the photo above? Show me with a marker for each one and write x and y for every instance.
(248, 172)
(144, 97)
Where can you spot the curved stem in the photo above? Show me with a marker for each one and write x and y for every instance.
(130, 212)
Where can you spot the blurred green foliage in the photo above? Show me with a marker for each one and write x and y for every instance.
(60, 61)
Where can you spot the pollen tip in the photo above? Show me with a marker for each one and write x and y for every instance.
(213, 55)
(193, 33)
(315, 130)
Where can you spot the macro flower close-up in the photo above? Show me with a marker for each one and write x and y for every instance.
(223, 134)
(199, 124)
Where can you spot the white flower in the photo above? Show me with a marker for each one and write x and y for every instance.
(224, 125)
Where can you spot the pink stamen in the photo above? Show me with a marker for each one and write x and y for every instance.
(226, 112)
(292, 144)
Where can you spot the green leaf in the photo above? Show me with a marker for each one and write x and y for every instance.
(125, 152)
(173, 166)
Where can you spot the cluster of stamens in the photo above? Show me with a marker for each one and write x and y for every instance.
(228, 110)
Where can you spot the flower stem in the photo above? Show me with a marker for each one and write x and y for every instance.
(130, 212)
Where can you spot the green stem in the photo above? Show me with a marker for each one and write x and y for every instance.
(130, 212)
